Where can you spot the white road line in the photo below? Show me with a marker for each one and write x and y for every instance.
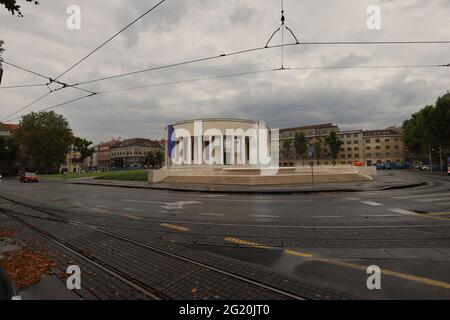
(102, 207)
(423, 196)
(430, 200)
(402, 211)
(371, 203)
(142, 201)
(212, 214)
(352, 199)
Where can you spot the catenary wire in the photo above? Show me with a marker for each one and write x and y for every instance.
(110, 38)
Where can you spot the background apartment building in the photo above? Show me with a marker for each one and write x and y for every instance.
(132, 153)
(104, 155)
(369, 147)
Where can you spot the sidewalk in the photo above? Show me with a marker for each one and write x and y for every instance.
(384, 181)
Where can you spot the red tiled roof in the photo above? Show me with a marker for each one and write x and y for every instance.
(10, 127)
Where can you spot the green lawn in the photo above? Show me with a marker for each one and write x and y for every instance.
(135, 175)
(123, 175)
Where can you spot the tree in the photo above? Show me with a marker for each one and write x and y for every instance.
(82, 146)
(286, 149)
(155, 159)
(9, 151)
(13, 7)
(300, 145)
(429, 128)
(318, 149)
(334, 144)
(45, 139)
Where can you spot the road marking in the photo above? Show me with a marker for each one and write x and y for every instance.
(437, 213)
(129, 216)
(263, 216)
(352, 199)
(131, 209)
(340, 263)
(380, 215)
(430, 200)
(102, 207)
(175, 227)
(298, 254)
(247, 243)
(371, 203)
(212, 214)
(142, 201)
(423, 196)
(402, 211)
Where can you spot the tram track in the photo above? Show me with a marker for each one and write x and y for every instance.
(150, 292)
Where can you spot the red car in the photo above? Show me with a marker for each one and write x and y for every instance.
(29, 177)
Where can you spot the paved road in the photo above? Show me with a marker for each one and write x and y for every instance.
(323, 240)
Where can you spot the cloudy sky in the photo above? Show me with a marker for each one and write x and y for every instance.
(181, 30)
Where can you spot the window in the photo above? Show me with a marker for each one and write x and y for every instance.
(356, 148)
(367, 148)
(396, 140)
(349, 142)
(388, 147)
(355, 135)
(355, 142)
(378, 154)
(387, 140)
(367, 140)
(377, 140)
(356, 155)
(388, 154)
(349, 149)
(350, 156)
(378, 147)
(397, 147)
(368, 155)
(342, 149)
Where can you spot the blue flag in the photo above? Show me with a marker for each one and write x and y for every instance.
(171, 141)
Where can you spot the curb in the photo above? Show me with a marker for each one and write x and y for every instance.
(280, 192)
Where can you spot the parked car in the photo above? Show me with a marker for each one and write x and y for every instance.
(359, 164)
(426, 168)
(29, 177)
(381, 166)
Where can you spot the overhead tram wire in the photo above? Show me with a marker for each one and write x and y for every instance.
(242, 74)
(110, 38)
(64, 85)
(7, 118)
(162, 84)
(220, 56)
(25, 86)
(59, 105)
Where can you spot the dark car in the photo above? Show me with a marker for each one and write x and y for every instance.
(29, 177)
